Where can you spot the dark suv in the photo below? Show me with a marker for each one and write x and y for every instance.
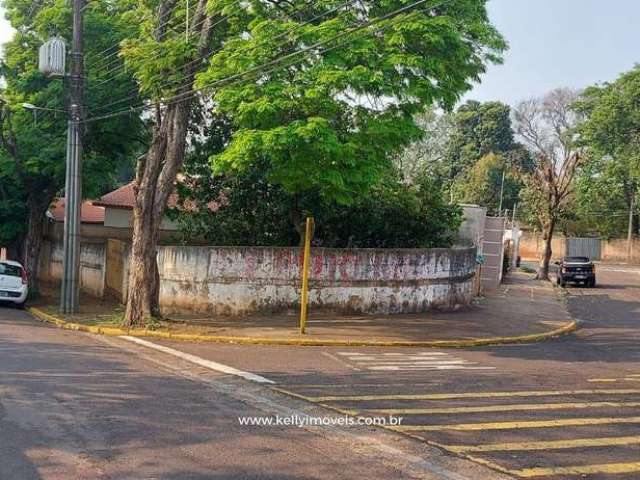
(577, 270)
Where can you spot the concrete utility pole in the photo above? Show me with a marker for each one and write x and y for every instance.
(630, 232)
(501, 194)
(73, 181)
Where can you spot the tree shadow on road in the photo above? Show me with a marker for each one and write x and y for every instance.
(88, 410)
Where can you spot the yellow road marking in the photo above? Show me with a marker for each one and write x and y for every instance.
(610, 468)
(520, 424)
(544, 445)
(497, 408)
(634, 375)
(451, 396)
(602, 380)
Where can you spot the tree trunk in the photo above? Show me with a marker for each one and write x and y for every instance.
(545, 260)
(143, 268)
(155, 178)
(296, 219)
(36, 210)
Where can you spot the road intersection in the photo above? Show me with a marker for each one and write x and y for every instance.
(563, 409)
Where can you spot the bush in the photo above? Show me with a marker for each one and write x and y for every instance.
(247, 209)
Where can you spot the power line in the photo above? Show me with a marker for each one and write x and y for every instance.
(102, 64)
(232, 79)
(276, 38)
(158, 54)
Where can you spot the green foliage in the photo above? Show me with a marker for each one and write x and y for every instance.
(332, 122)
(395, 215)
(32, 157)
(481, 184)
(248, 209)
(611, 176)
(425, 156)
(480, 129)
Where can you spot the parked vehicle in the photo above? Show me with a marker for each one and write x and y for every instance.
(576, 270)
(14, 284)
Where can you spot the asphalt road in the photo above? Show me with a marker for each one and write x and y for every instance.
(75, 406)
(568, 408)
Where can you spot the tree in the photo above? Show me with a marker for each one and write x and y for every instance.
(425, 157)
(482, 184)
(32, 146)
(610, 134)
(479, 129)
(165, 66)
(245, 208)
(547, 126)
(325, 115)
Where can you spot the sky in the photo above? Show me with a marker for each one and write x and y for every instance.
(553, 43)
(560, 43)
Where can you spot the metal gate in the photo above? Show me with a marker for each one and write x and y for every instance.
(583, 247)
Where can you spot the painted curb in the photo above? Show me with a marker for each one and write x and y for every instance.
(309, 342)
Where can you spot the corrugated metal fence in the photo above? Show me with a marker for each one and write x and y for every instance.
(584, 247)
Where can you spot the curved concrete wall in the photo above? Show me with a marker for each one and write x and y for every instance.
(243, 280)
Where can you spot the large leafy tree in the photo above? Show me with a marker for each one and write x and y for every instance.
(610, 133)
(426, 156)
(32, 146)
(492, 182)
(334, 119)
(326, 92)
(479, 129)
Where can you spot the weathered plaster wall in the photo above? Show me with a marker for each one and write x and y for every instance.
(92, 265)
(614, 250)
(235, 280)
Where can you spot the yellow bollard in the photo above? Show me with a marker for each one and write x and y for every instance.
(305, 275)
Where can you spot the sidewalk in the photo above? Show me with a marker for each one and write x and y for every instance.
(522, 310)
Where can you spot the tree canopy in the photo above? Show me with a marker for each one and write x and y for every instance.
(33, 144)
(610, 179)
(334, 118)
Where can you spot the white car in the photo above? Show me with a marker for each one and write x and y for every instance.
(14, 284)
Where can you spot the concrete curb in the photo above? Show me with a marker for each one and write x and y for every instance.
(462, 343)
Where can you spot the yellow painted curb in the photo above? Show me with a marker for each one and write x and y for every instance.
(138, 332)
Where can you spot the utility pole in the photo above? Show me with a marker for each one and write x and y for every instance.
(73, 181)
(630, 232)
(501, 195)
(515, 239)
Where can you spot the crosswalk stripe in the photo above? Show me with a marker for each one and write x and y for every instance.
(496, 408)
(452, 396)
(564, 422)
(547, 444)
(604, 468)
(358, 354)
(397, 359)
(407, 368)
(425, 361)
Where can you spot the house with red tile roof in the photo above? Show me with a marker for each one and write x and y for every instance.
(118, 208)
(90, 213)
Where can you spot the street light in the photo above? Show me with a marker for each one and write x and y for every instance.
(35, 109)
(31, 106)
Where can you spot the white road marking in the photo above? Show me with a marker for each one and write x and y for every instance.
(410, 361)
(397, 368)
(218, 367)
(340, 361)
